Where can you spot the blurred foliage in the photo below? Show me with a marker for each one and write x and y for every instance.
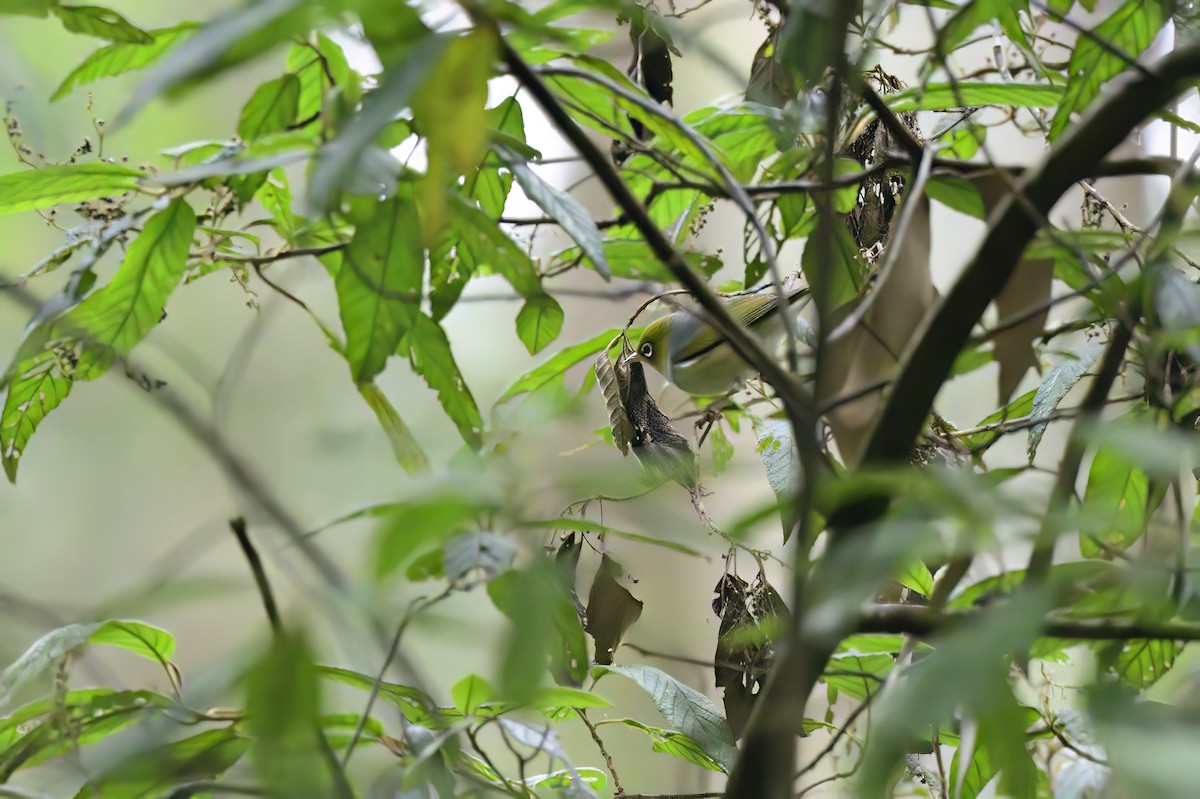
(1039, 681)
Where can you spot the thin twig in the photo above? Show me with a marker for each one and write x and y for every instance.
(238, 526)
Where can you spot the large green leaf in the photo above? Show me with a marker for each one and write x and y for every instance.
(429, 352)
(685, 708)
(58, 726)
(1113, 515)
(64, 183)
(944, 96)
(379, 283)
(204, 756)
(1128, 31)
(113, 319)
(120, 58)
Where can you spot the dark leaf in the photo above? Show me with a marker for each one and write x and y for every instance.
(611, 610)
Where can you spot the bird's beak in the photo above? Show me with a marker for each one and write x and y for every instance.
(629, 358)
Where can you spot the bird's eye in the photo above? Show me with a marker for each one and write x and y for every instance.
(647, 350)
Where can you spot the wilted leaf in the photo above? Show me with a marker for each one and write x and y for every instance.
(611, 610)
(487, 552)
(610, 389)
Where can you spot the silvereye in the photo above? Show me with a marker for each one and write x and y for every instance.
(688, 351)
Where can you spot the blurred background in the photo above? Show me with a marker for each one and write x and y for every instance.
(118, 513)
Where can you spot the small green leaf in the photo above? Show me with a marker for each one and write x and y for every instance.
(408, 452)
(120, 58)
(415, 704)
(103, 23)
(470, 692)
(430, 355)
(675, 744)
(272, 108)
(38, 386)
(379, 283)
(64, 183)
(685, 709)
(539, 322)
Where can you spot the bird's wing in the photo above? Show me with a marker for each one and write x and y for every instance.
(746, 310)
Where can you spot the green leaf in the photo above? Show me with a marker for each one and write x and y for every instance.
(120, 58)
(338, 158)
(137, 637)
(272, 108)
(1019, 408)
(415, 704)
(408, 452)
(563, 208)
(101, 22)
(247, 32)
(944, 96)
(1129, 30)
(281, 714)
(430, 355)
(1059, 379)
(113, 319)
(379, 283)
(957, 193)
(675, 744)
(152, 773)
(684, 708)
(1139, 662)
(1113, 514)
(832, 268)
(469, 693)
(64, 183)
(559, 363)
(60, 725)
(539, 322)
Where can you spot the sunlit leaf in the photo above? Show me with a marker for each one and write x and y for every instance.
(64, 183)
(408, 452)
(120, 58)
(429, 352)
(271, 108)
(557, 364)
(1113, 515)
(944, 96)
(1128, 31)
(539, 322)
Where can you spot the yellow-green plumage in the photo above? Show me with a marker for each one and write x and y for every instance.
(696, 357)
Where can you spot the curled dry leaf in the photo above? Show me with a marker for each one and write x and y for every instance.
(610, 388)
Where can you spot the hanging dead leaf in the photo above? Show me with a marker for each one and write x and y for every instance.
(611, 610)
(658, 446)
(771, 82)
(865, 346)
(1026, 292)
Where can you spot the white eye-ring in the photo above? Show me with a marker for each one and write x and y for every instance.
(647, 350)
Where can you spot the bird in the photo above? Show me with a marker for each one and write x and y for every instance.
(693, 355)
